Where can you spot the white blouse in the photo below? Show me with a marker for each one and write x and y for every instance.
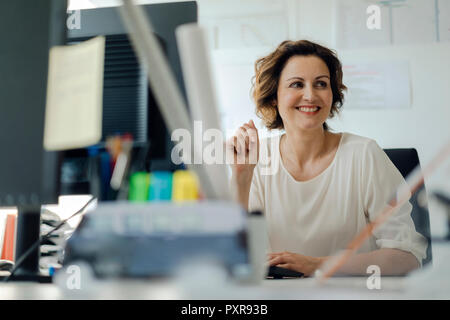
(319, 217)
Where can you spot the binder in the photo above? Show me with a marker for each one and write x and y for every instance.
(9, 238)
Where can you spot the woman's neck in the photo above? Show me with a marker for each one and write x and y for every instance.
(304, 146)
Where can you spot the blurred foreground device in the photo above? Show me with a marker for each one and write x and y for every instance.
(28, 174)
(158, 239)
(129, 105)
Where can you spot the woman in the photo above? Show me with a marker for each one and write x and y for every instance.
(318, 189)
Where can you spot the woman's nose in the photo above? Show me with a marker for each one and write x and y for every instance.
(308, 93)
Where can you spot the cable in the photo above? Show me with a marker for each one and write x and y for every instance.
(43, 238)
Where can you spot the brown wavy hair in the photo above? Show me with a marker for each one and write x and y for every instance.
(268, 70)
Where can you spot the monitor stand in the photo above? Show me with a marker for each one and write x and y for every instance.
(28, 233)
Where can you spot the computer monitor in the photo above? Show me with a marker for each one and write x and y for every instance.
(29, 175)
(128, 103)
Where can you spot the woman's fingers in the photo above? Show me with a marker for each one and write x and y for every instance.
(243, 139)
(295, 261)
(246, 132)
(272, 255)
(280, 259)
(253, 138)
(274, 261)
(246, 144)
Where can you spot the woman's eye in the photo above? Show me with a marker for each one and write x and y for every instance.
(321, 84)
(296, 85)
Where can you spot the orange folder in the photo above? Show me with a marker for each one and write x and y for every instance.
(9, 238)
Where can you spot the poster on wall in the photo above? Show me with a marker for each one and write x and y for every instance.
(368, 23)
(377, 85)
(350, 27)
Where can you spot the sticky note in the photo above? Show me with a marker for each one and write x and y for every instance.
(73, 116)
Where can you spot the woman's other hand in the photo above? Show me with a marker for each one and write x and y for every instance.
(295, 261)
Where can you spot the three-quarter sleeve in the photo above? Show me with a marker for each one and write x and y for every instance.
(381, 180)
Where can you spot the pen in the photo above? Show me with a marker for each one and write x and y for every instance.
(123, 162)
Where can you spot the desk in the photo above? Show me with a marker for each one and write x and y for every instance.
(429, 283)
(287, 289)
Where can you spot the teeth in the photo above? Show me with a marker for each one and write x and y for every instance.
(308, 109)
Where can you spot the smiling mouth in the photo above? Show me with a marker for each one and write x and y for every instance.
(308, 109)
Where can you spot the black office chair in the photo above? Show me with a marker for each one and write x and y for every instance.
(406, 160)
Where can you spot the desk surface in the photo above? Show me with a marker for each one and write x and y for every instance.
(429, 283)
(286, 289)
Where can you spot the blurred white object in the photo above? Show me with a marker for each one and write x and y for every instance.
(196, 65)
(73, 116)
(258, 244)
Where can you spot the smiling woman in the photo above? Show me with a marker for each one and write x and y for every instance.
(318, 189)
(269, 69)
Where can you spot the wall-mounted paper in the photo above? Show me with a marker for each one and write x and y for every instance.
(377, 85)
(350, 25)
(73, 117)
(398, 22)
(244, 24)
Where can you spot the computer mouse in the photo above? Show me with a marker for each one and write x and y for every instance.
(6, 265)
(280, 273)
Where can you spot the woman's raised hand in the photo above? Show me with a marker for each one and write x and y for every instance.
(244, 148)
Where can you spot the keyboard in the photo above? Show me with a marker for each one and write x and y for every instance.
(280, 273)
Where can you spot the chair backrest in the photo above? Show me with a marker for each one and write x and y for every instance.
(406, 160)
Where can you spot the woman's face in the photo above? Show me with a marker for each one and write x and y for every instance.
(304, 93)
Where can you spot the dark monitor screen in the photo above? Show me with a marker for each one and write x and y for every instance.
(28, 174)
